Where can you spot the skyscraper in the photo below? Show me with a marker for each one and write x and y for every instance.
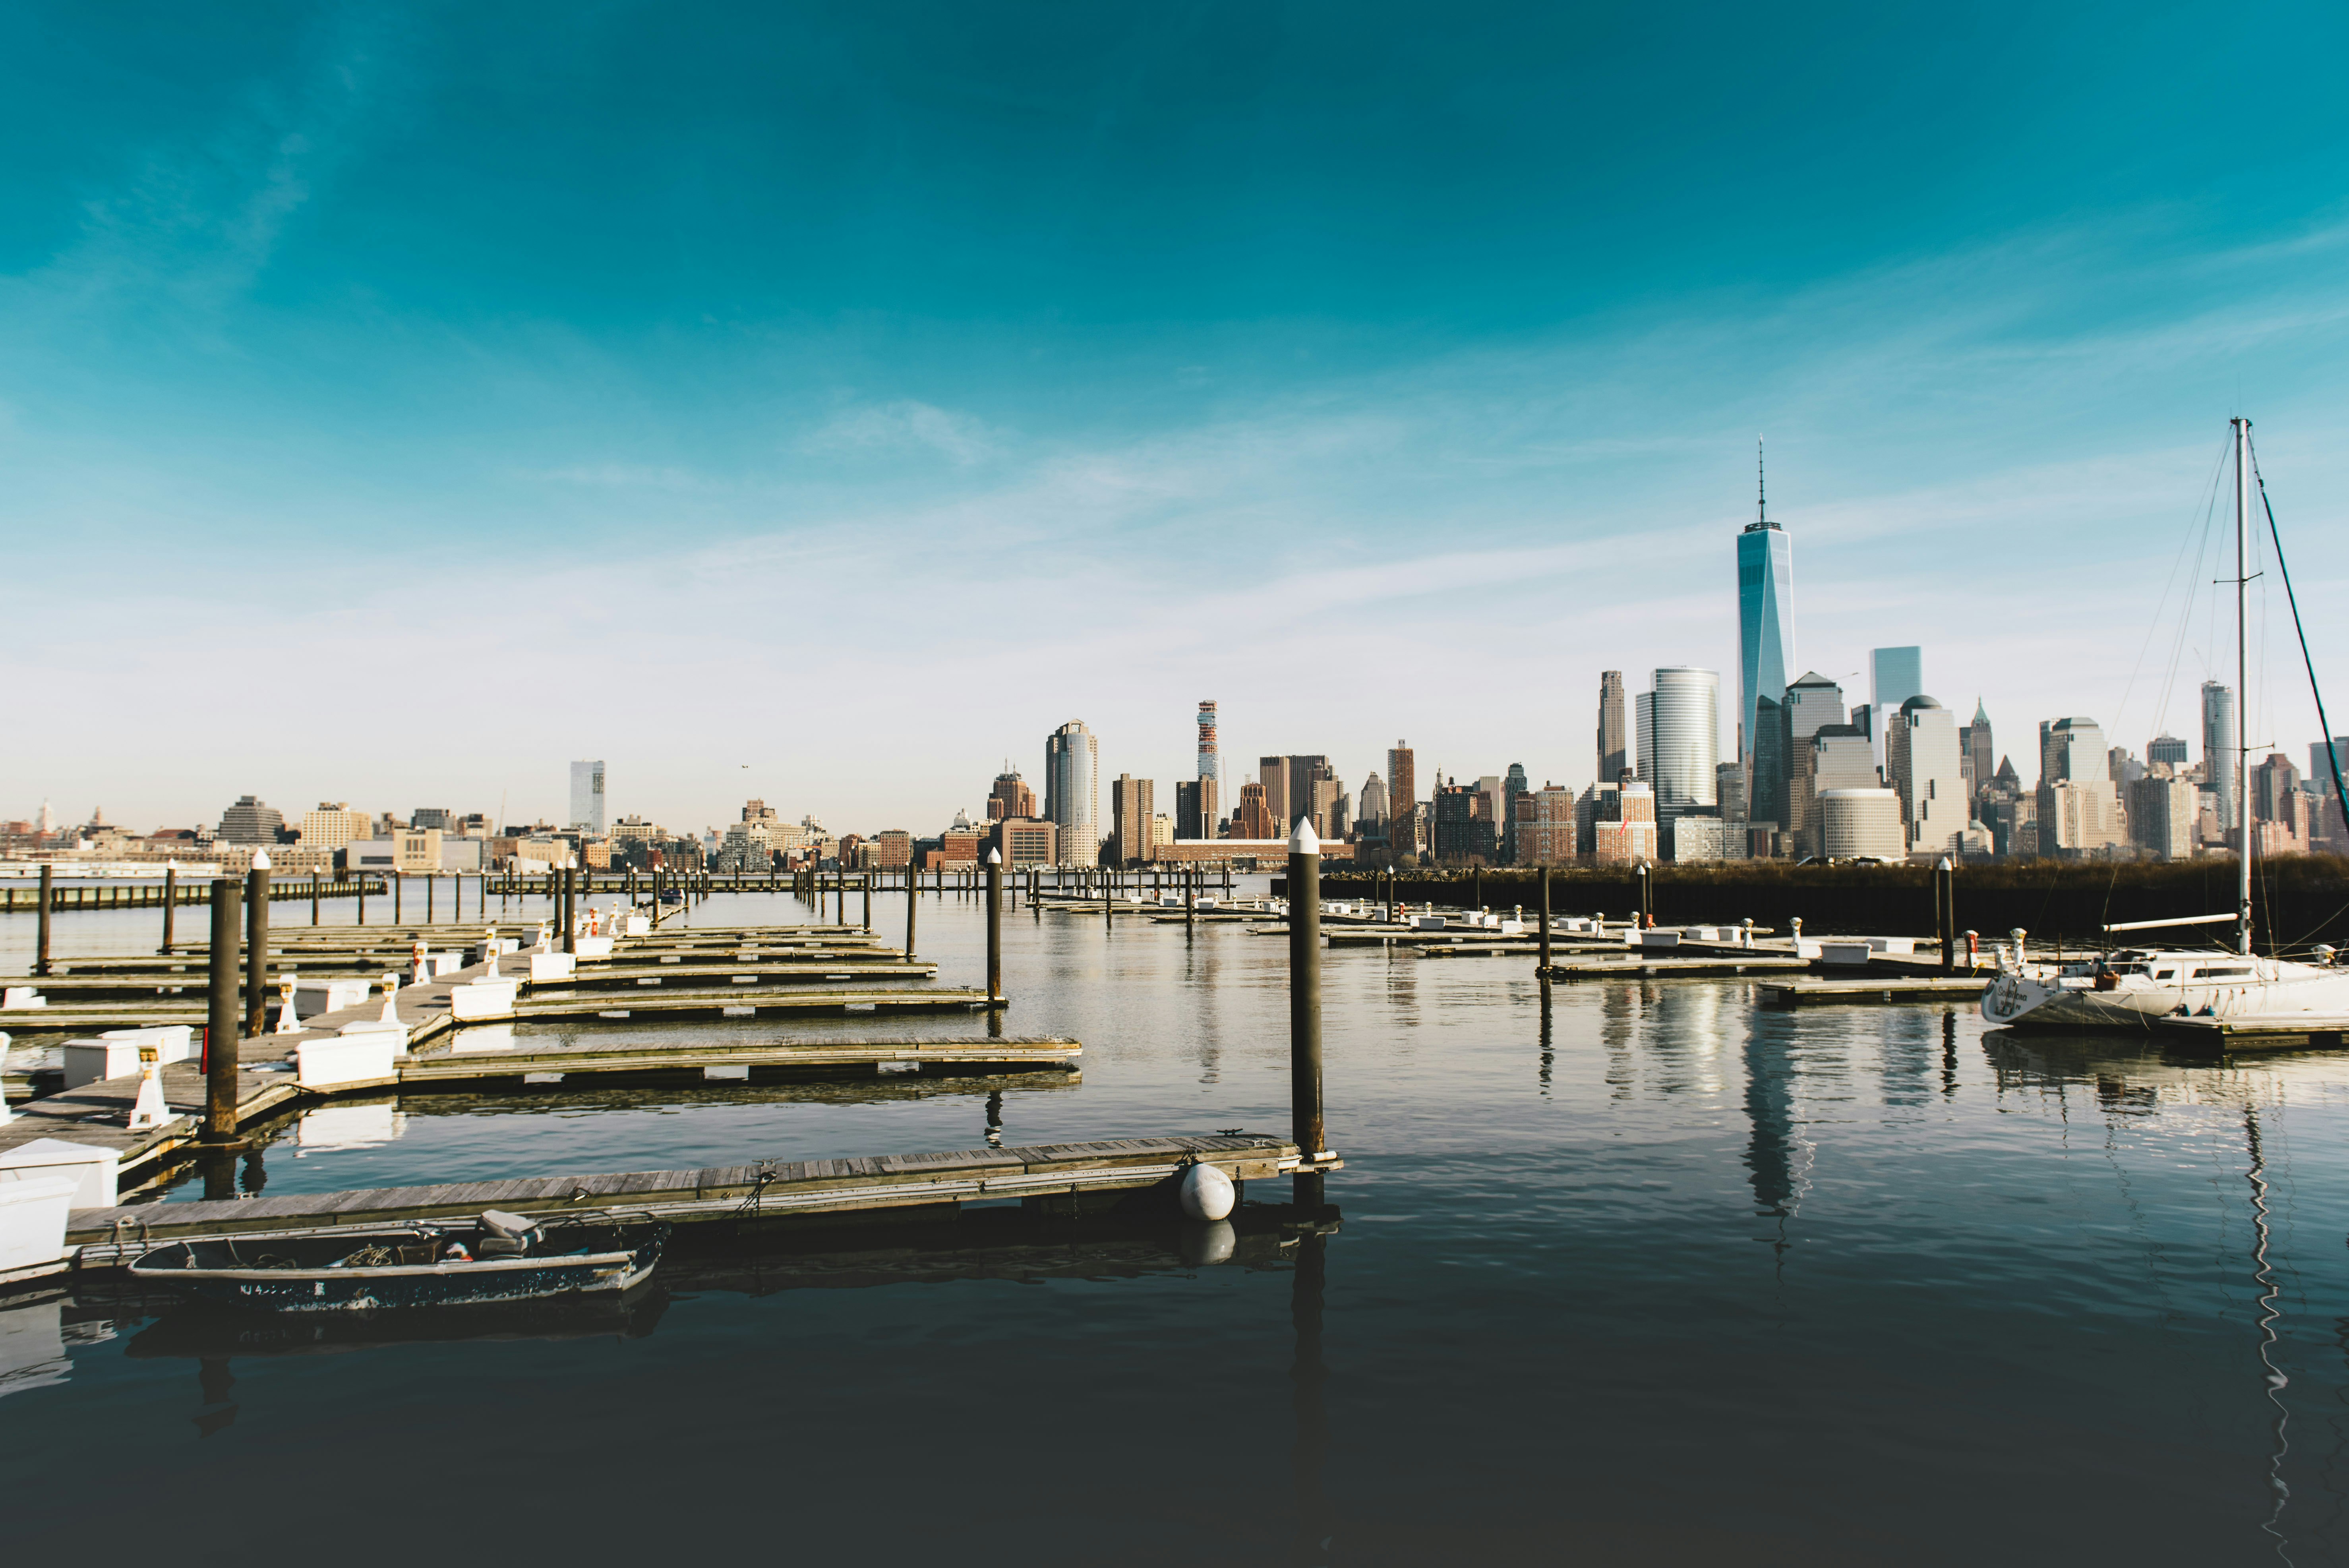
(1072, 791)
(1614, 754)
(1765, 651)
(587, 796)
(1976, 757)
(1132, 804)
(2219, 750)
(1811, 703)
(1010, 798)
(1196, 810)
(1894, 676)
(1680, 737)
(1922, 747)
(1211, 757)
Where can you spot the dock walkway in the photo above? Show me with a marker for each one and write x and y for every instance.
(761, 1189)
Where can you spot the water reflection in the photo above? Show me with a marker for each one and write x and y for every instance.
(1769, 1114)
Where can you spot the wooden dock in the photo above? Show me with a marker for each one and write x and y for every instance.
(2310, 1031)
(1662, 968)
(729, 1003)
(1066, 1172)
(456, 1063)
(1890, 988)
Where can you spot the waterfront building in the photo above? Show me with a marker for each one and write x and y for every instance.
(1371, 809)
(1253, 819)
(1861, 824)
(1010, 797)
(1402, 787)
(2219, 751)
(1811, 703)
(1072, 791)
(2161, 814)
(1839, 757)
(1765, 652)
(1614, 739)
(2275, 782)
(1131, 807)
(1678, 726)
(2170, 750)
(251, 821)
(1463, 825)
(1023, 841)
(334, 824)
(2078, 817)
(1623, 829)
(1547, 831)
(1922, 749)
(1702, 835)
(1195, 808)
(890, 850)
(587, 796)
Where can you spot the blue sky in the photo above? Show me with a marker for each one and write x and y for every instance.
(396, 403)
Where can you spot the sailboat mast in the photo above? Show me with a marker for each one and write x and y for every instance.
(2243, 690)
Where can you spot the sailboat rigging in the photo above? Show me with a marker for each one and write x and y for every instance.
(2131, 987)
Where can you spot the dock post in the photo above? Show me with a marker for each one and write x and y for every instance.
(912, 907)
(868, 903)
(1647, 916)
(398, 887)
(1542, 875)
(49, 886)
(358, 884)
(993, 929)
(257, 942)
(314, 897)
(431, 889)
(170, 903)
(1305, 1005)
(220, 1036)
(1945, 912)
(570, 913)
(1190, 900)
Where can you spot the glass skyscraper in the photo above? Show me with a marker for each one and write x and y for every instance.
(1072, 791)
(1765, 652)
(2218, 750)
(587, 796)
(1679, 725)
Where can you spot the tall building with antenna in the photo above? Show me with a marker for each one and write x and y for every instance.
(1765, 652)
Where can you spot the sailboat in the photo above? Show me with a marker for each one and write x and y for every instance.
(2130, 987)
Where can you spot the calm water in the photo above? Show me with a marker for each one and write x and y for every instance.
(1665, 1278)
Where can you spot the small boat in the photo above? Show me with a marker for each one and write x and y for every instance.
(499, 1257)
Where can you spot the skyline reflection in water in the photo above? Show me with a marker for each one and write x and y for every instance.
(1622, 1270)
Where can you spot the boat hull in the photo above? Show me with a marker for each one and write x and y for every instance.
(2024, 1002)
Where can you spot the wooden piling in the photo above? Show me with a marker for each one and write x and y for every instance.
(868, 880)
(1305, 1001)
(1542, 876)
(256, 949)
(913, 906)
(170, 903)
(48, 896)
(994, 928)
(220, 1036)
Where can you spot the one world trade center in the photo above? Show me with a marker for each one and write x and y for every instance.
(1765, 652)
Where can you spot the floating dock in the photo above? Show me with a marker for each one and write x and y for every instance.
(457, 1065)
(1640, 968)
(2229, 1036)
(1890, 988)
(1042, 1174)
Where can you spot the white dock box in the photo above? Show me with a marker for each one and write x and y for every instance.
(95, 1061)
(91, 1168)
(364, 1056)
(33, 1221)
(1854, 952)
(552, 966)
(592, 946)
(318, 995)
(482, 999)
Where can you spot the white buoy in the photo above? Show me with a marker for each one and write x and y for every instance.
(1207, 1192)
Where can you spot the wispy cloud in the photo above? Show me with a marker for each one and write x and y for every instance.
(902, 425)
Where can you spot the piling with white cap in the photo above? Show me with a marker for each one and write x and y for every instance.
(1304, 1004)
(257, 944)
(994, 928)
